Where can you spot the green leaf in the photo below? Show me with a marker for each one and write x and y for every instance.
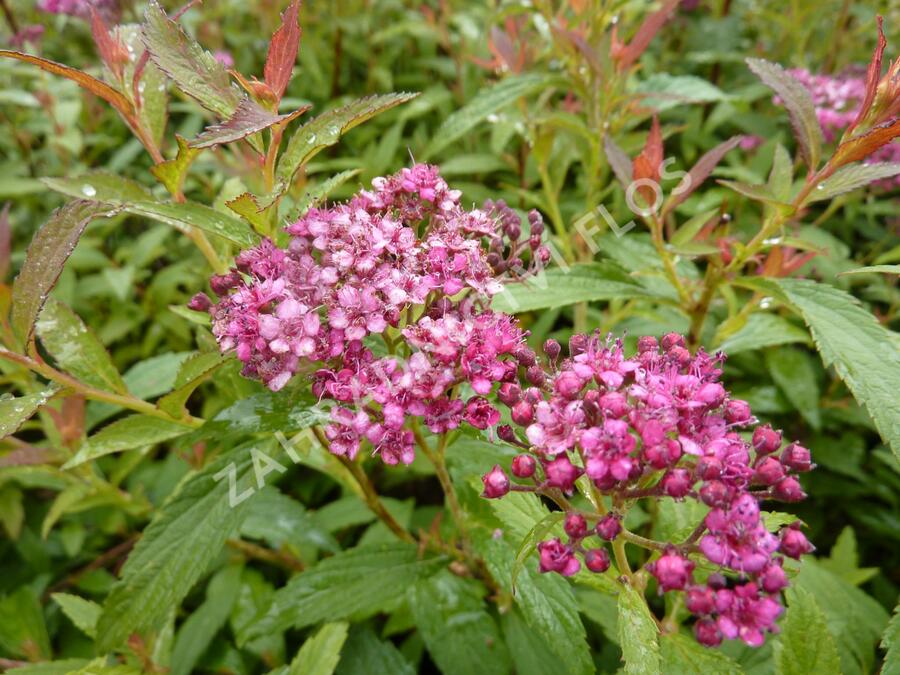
(354, 584)
(781, 177)
(22, 628)
(763, 330)
(758, 193)
(193, 372)
(854, 619)
(189, 214)
(83, 613)
(799, 105)
(292, 526)
(326, 130)
(61, 667)
(172, 172)
(99, 186)
(193, 69)
(794, 373)
(248, 118)
(683, 655)
(135, 431)
(452, 619)
(863, 352)
(890, 643)
(183, 538)
(486, 102)
(14, 411)
(844, 559)
(247, 207)
(874, 269)
(199, 629)
(266, 412)
(530, 652)
(805, 645)
(851, 177)
(663, 91)
(638, 634)
(320, 654)
(76, 349)
(44, 260)
(558, 287)
(365, 654)
(686, 233)
(319, 192)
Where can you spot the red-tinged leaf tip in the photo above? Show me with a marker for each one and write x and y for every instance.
(872, 76)
(283, 50)
(647, 164)
(860, 147)
(631, 52)
(111, 50)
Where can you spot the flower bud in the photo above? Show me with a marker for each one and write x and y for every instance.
(523, 466)
(709, 468)
(557, 557)
(737, 412)
(597, 560)
(522, 413)
(768, 472)
(567, 384)
(509, 393)
(614, 404)
(797, 457)
(707, 633)
(506, 433)
(575, 526)
(552, 350)
(773, 579)
(609, 526)
(671, 340)
(712, 394)
(200, 303)
(525, 357)
(647, 343)
(496, 483)
(794, 543)
(714, 493)
(535, 375)
(700, 600)
(766, 440)
(679, 355)
(577, 344)
(561, 473)
(677, 483)
(672, 571)
(789, 490)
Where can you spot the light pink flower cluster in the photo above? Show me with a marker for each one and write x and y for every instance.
(658, 425)
(404, 261)
(838, 100)
(108, 9)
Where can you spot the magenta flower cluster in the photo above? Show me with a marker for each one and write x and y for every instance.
(404, 261)
(838, 100)
(108, 9)
(658, 425)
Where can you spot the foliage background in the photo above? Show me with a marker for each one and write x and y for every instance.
(129, 276)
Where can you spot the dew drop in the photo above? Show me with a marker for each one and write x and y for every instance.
(820, 186)
(311, 139)
(88, 190)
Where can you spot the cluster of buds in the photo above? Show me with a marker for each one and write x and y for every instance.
(404, 261)
(654, 426)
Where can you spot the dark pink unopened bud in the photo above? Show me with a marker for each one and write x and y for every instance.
(614, 404)
(506, 433)
(597, 560)
(552, 349)
(523, 466)
(535, 375)
(766, 440)
(509, 393)
(797, 457)
(712, 394)
(680, 355)
(737, 411)
(575, 526)
(522, 413)
(525, 357)
(577, 344)
(671, 340)
(567, 384)
(561, 473)
(768, 472)
(677, 483)
(715, 493)
(496, 483)
(789, 490)
(794, 543)
(672, 571)
(707, 633)
(647, 343)
(709, 468)
(773, 579)
(200, 303)
(557, 557)
(609, 526)
(700, 600)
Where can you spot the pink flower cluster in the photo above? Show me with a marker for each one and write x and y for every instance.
(658, 425)
(108, 9)
(838, 100)
(404, 261)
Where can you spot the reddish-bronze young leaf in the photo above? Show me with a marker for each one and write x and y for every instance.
(701, 171)
(249, 118)
(872, 76)
(647, 165)
(283, 51)
(110, 48)
(618, 160)
(628, 54)
(92, 84)
(862, 146)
